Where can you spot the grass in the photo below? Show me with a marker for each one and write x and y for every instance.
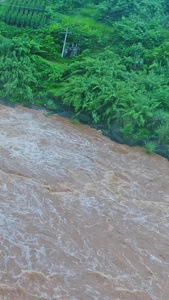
(47, 114)
(75, 121)
(150, 147)
(87, 23)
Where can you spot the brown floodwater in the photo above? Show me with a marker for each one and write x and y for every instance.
(81, 217)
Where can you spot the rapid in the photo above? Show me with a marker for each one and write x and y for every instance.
(81, 217)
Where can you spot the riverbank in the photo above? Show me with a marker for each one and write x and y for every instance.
(114, 133)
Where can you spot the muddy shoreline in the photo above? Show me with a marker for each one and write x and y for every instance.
(113, 133)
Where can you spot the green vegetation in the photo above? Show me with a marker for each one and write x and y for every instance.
(47, 114)
(150, 147)
(75, 121)
(31, 13)
(120, 80)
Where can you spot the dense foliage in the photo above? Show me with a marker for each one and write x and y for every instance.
(121, 77)
(26, 13)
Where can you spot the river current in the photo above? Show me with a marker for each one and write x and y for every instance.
(81, 217)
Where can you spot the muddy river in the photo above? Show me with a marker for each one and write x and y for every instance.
(81, 217)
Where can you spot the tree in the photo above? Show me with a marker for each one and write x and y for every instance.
(112, 10)
(17, 74)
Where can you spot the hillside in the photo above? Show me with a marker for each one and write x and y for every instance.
(119, 78)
